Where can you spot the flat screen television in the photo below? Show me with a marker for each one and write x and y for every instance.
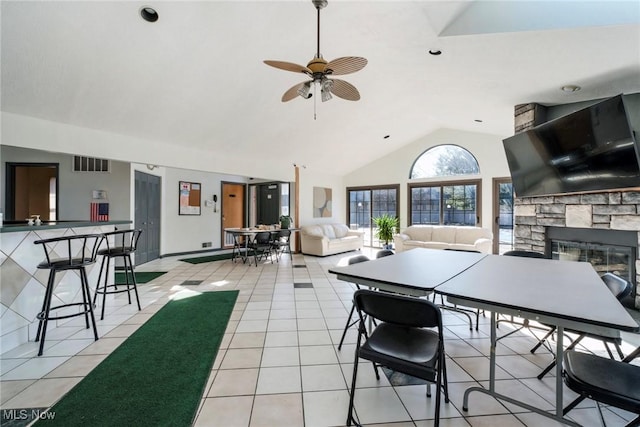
(590, 150)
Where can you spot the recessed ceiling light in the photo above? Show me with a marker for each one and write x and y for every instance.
(149, 14)
(570, 88)
(435, 52)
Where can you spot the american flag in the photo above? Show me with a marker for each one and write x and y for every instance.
(99, 211)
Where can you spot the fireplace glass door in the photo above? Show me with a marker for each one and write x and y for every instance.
(604, 258)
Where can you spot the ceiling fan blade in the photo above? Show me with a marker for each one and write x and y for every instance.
(292, 92)
(344, 90)
(345, 65)
(289, 66)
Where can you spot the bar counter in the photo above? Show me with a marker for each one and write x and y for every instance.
(13, 226)
(22, 285)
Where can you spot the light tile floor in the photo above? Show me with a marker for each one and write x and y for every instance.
(279, 365)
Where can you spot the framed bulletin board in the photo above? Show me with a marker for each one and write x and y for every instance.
(189, 198)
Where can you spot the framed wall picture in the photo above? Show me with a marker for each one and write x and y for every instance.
(189, 198)
(322, 202)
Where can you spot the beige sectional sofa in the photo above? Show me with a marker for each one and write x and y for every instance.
(444, 237)
(329, 239)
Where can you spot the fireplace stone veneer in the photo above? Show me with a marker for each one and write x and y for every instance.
(613, 211)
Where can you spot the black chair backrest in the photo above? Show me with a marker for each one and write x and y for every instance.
(462, 250)
(263, 238)
(283, 235)
(524, 254)
(357, 259)
(123, 239)
(384, 253)
(72, 250)
(398, 309)
(617, 285)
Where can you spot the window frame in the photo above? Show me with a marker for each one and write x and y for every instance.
(445, 183)
(443, 176)
(372, 188)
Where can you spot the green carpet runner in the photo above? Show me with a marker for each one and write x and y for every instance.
(158, 375)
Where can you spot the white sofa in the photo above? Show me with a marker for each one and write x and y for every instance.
(444, 237)
(329, 239)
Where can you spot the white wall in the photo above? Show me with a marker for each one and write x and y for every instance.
(75, 188)
(308, 179)
(30, 132)
(396, 166)
(186, 233)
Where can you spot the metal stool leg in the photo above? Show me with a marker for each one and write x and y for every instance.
(87, 301)
(133, 278)
(105, 287)
(42, 327)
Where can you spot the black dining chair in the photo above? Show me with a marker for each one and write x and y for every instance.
(408, 339)
(607, 381)
(261, 246)
(525, 254)
(383, 253)
(620, 288)
(353, 260)
(282, 243)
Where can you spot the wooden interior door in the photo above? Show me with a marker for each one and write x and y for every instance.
(232, 208)
(32, 189)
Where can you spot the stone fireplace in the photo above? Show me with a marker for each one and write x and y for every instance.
(602, 226)
(579, 219)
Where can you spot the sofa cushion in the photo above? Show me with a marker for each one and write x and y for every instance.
(313, 230)
(419, 232)
(444, 234)
(468, 235)
(327, 230)
(340, 230)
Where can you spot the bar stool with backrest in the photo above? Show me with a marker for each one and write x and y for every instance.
(66, 254)
(117, 244)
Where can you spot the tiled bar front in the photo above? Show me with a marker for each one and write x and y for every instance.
(22, 284)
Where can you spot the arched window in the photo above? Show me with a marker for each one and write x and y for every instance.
(446, 202)
(444, 160)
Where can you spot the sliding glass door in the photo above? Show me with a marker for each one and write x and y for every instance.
(503, 215)
(366, 203)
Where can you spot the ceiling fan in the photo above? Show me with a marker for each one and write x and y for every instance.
(319, 70)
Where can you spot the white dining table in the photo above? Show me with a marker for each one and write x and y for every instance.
(566, 294)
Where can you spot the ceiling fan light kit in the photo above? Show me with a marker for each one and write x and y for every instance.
(319, 70)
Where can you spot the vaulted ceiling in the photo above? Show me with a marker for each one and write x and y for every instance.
(195, 78)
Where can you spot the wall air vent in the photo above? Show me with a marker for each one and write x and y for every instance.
(90, 164)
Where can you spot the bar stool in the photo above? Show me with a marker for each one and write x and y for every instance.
(119, 244)
(73, 253)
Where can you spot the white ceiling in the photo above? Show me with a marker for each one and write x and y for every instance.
(195, 78)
